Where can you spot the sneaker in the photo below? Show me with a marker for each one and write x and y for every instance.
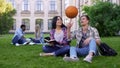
(42, 54)
(88, 59)
(31, 43)
(46, 54)
(25, 43)
(17, 44)
(69, 59)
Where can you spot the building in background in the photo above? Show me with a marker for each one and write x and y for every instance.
(32, 12)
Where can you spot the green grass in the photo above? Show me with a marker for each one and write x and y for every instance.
(28, 56)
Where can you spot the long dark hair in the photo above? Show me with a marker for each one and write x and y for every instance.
(54, 20)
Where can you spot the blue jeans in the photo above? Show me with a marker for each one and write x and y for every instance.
(58, 51)
(74, 51)
(17, 40)
(34, 40)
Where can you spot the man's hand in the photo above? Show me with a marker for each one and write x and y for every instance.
(86, 42)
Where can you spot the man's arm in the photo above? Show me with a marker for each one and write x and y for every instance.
(97, 37)
(20, 33)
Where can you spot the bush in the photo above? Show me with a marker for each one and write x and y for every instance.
(6, 19)
(105, 17)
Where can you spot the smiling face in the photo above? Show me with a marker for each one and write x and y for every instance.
(84, 20)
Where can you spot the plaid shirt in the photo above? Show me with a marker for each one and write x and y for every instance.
(64, 41)
(91, 33)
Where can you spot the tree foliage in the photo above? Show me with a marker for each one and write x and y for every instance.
(105, 16)
(6, 16)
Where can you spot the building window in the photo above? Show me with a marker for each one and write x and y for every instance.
(12, 2)
(14, 25)
(27, 23)
(66, 3)
(53, 5)
(39, 5)
(25, 5)
(40, 22)
(49, 24)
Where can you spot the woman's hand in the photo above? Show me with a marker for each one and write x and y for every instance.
(69, 25)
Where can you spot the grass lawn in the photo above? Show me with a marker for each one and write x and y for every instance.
(28, 56)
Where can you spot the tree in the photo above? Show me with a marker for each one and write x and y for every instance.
(105, 17)
(6, 19)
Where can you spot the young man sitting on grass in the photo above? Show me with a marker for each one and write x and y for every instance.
(18, 37)
(87, 38)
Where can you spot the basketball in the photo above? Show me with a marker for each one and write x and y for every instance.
(71, 11)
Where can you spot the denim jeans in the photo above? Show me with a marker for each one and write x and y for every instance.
(74, 51)
(35, 40)
(17, 40)
(58, 51)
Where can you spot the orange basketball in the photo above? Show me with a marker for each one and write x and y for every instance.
(71, 11)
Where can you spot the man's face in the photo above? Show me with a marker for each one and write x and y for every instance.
(23, 28)
(84, 21)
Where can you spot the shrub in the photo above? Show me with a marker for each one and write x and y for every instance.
(6, 19)
(105, 17)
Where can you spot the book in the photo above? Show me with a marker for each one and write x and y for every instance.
(51, 41)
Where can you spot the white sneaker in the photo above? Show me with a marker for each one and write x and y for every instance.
(69, 59)
(17, 44)
(31, 43)
(88, 59)
(25, 43)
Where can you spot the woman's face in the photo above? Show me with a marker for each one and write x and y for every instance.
(84, 21)
(37, 28)
(59, 22)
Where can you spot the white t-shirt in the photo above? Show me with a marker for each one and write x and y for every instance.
(59, 36)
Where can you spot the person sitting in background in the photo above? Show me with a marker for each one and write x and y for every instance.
(58, 43)
(38, 35)
(19, 36)
(37, 32)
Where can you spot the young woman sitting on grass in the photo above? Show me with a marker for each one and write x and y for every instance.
(58, 43)
(38, 35)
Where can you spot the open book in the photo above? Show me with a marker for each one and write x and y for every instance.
(51, 41)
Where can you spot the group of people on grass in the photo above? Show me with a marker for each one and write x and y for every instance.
(87, 38)
(19, 38)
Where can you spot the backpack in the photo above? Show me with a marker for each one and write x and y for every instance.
(105, 50)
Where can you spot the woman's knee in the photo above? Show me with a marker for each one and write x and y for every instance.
(67, 47)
